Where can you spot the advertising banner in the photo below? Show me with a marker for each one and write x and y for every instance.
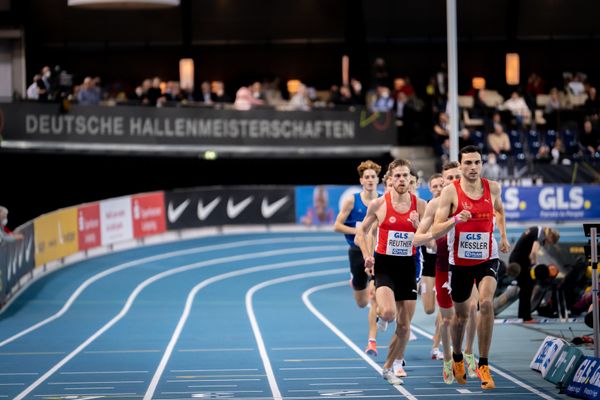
(229, 206)
(552, 202)
(20, 256)
(190, 129)
(586, 381)
(88, 225)
(148, 214)
(4, 288)
(564, 367)
(115, 220)
(319, 205)
(546, 347)
(55, 235)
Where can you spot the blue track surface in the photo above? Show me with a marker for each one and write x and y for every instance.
(232, 316)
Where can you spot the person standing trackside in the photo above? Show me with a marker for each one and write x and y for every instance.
(398, 213)
(471, 203)
(6, 235)
(525, 254)
(352, 212)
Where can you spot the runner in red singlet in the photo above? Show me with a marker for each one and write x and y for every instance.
(471, 204)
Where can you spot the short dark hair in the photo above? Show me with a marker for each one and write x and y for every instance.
(467, 150)
(398, 163)
(450, 165)
(435, 176)
(413, 172)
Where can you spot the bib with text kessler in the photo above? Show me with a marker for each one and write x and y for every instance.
(474, 245)
(399, 243)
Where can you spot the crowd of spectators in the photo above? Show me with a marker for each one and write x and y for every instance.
(499, 127)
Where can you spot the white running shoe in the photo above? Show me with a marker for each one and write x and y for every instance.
(390, 377)
(436, 354)
(398, 368)
(382, 324)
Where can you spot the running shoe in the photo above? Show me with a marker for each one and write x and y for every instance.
(436, 354)
(487, 382)
(447, 372)
(471, 365)
(389, 376)
(458, 370)
(398, 367)
(371, 348)
(382, 325)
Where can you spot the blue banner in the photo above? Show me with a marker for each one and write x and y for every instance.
(586, 382)
(319, 205)
(551, 202)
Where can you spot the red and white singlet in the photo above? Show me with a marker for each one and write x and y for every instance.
(396, 232)
(471, 243)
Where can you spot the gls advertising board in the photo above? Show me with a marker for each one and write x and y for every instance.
(233, 206)
(551, 202)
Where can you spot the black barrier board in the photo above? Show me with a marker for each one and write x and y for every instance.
(193, 130)
(229, 206)
(3, 271)
(16, 259)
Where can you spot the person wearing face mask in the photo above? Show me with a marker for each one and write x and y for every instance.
(6, 235)
(491, 170)
(383, 102)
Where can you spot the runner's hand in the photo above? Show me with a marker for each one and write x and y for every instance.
(414, 218)
(504, 246)
(370, 265)
(463, 216)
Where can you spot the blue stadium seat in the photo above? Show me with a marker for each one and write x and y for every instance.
(534, 142)
(550, 138)
(516, 143)
(479, 140)
(571, 143)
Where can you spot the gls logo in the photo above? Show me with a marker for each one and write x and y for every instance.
(400, 235)
(473, 236)
(554, 198)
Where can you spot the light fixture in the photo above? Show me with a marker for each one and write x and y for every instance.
(123, 4)
(478, 83)
(345, 70)
(293, 85)
(186, 74)
(512, 69)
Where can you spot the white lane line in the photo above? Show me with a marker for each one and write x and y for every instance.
(308, 348)
(223, 392)
(211, 386)
(333, 383)
(32, 353)
(218, 376)
(138, 289)
(218, 278)
(93, 383)
(317, 368)
(344, 338)
(211, 350)
(321, 359)
(214, 370)
(499, 372)
(325, 391)
(144, 260)
(119, 351)
(322, 378)
(91, 388)
(62, 395)
(12, 384)
(212, 380)
(256, 330)
(101, 372)
(18, 373)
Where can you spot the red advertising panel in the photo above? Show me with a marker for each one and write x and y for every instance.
(88, 226)
(148, 211)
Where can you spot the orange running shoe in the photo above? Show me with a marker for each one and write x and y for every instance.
(487, 382)
(458, 369)
(371, 348)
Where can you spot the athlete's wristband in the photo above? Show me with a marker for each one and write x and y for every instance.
(456, 219)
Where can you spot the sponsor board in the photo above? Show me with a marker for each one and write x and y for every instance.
(228, 206)
(88, 226)
(586, 381)
(17, 258)
(565, 365)
(148, 211)
(55, 235)
(544, 350)
(115, 220)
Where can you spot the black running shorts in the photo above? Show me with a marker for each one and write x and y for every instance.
(397, 273)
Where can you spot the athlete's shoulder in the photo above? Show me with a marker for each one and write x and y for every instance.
(494, 186)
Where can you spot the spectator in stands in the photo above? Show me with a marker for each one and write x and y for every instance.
(88, 94)
(299, 100)
(219, 95)
(6, 235)
(535, 86)
(544, 154)
(558, 152)
(401, 105)
(518, 108)
(205, 93)
(498, 141)
(491, 170)
(590, 138)
(553, 104)
(383, 102)
(464, 138)
(244, 99)
(37, 88)
(344, 97)
(154, 92)
(257, 92)
(576, 85)
(320, 213)
(592, 105)
(440, 129)
(357, 91)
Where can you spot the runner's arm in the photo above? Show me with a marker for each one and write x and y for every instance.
(500, 216)
(347, 206)
(424, 234)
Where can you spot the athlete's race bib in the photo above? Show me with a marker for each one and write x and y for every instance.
(399, 243)
(474, 245)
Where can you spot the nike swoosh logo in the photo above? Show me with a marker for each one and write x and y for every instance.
(268, 210)
(233, 210)
(174, 214)
(204, 211)
(28, 250)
